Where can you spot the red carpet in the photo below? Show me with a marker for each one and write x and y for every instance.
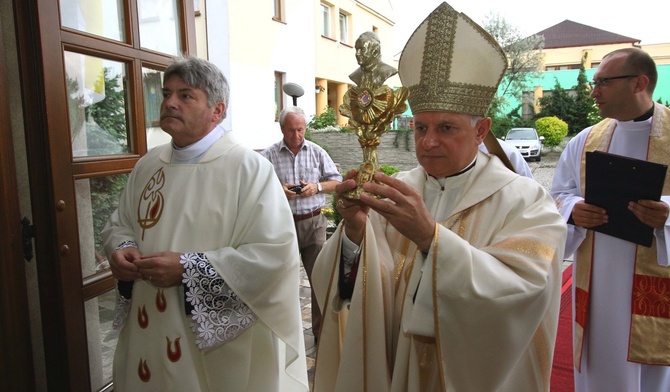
(561, 375)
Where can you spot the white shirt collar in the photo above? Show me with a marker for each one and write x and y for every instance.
(192, 153)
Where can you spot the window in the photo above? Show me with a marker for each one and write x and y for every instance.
(527, 105)
(562, 67)
(88, 16)
(278, 10)
(325, 20)
(344, 28)
(152, 83)
(97, 105)
(159, 28)
(279, 102)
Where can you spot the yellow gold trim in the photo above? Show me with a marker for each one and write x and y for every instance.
(528, 246)
(543, 353)
(328, 295)
(364, 263)
(435, 312)
(642, 328)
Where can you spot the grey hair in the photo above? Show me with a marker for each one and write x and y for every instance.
(291, 110)
(201, 74)
(475, 119)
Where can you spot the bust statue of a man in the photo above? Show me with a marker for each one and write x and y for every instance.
(370, 105)
(372, 72)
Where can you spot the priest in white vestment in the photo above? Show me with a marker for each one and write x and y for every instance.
(516, 159)
(621, 310)
(208, 267)
(450, 281)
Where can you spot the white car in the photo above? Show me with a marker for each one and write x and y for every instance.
(527, 141)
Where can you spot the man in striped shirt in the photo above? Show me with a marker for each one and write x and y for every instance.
(306, 172)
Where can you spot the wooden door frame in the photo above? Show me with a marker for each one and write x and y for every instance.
(16, 360)
(33, 91)
(52, 191)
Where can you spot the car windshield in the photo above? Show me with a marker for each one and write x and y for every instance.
(521, 134)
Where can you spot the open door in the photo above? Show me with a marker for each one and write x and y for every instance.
(91, 86)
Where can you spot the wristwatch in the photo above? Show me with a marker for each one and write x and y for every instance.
(319, 188)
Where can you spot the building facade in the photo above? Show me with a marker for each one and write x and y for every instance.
(567, 44)
(309, 43)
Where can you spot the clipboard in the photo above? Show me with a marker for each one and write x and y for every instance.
(612, 181)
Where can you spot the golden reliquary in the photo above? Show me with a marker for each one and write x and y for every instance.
(371, 105)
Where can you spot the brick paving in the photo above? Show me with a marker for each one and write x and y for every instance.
(306, 309)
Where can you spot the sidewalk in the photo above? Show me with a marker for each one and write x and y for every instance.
(306, 309)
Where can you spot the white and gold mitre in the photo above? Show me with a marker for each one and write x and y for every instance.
(451, 64)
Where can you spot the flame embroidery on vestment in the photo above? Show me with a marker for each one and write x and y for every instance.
(150, 206)
(143, 371)
(173, 355)
(161, 304)
(142, 318)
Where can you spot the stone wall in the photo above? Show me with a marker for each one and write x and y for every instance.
(347, 154)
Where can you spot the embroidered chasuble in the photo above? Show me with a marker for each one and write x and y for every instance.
(235, 324)
(479, 312)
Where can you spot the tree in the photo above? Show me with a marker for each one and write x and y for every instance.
(106, 130)
(110, 113)
(584, 104)
(559, 104)
(524, 59)
(577, 109)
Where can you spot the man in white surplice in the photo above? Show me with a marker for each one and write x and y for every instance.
(208, 267)
(451, 280)
(516, 159)
(621, 339)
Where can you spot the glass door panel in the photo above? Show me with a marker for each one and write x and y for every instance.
(97, 198)
(101, 338)
(152, 86)
(97, 105)
(160, 26)
(100, 17)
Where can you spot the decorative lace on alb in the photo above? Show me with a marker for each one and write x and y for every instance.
(126, 244)
(218, 315)
(122, 308)
(121, 312)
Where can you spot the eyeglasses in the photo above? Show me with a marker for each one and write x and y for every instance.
(603, 81)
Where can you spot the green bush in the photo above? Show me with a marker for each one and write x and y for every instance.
(389, 170)
(323, 120)
(553, 129)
